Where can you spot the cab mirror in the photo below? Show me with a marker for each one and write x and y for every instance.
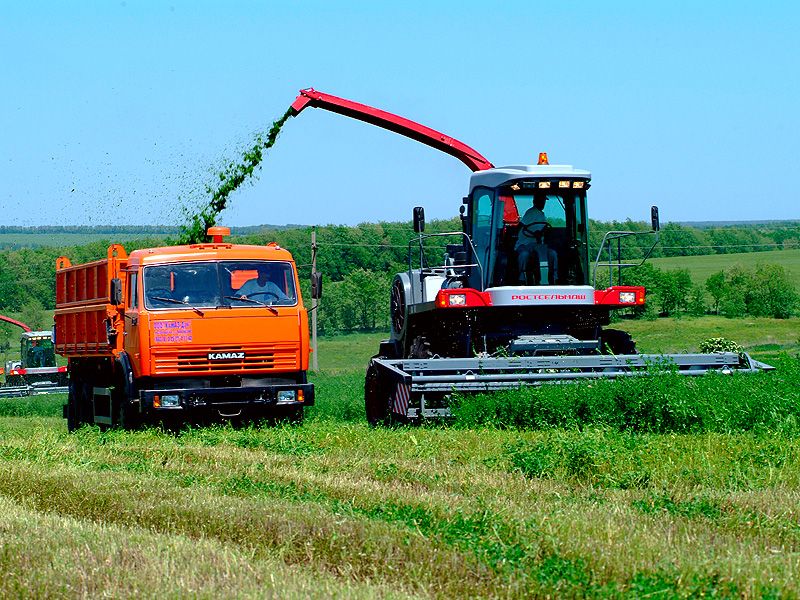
(419, 219)
(654, 218)
(115, 292)
(316, 286)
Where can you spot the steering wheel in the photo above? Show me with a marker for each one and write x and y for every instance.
(263, 293)
(527, 228)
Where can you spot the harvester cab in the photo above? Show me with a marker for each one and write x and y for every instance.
(528, 226)
(518, 279)
(515, 300)
(36, 369)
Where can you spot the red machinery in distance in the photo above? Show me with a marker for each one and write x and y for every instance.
(36, 370)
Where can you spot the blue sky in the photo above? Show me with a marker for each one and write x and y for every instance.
(120, 112)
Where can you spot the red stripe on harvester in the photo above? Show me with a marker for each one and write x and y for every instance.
(402, 392)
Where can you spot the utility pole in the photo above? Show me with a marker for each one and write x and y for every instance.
(314, 301)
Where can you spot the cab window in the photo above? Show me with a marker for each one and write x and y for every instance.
(132, 290)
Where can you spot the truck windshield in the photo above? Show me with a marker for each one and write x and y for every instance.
(219, 284)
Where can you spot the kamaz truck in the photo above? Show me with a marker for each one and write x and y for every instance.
(196, 333)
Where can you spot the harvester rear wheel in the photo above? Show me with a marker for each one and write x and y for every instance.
(376, 398)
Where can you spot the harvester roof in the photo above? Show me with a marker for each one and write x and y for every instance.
(494, 177)
(37, 334)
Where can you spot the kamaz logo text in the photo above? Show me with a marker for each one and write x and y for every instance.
(225, 355)
(548, 296)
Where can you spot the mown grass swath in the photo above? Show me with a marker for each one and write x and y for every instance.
(670, 486)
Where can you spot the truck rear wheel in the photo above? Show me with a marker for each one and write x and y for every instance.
(376, 398)
(72, 408)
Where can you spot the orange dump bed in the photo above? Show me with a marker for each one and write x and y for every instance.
(84, 313)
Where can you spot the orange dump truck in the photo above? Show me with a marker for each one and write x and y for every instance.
(183, 333)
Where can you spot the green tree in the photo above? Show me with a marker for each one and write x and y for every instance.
(368, 293)
(697, 301)
(716, 286)
(738, 287)
(34, 315)
(772, 294)
(676, 285)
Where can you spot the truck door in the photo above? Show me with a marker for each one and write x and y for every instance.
(131, 342)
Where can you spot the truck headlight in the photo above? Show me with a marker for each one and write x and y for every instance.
(457, 299)
(170, 400)
(627, 297)
(286, 396)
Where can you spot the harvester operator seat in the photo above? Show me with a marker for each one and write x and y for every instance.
(537, 262)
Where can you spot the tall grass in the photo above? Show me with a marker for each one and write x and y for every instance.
(658, 403)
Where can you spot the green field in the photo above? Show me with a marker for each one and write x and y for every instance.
(701, 267)
(667, 487)
(35, 240)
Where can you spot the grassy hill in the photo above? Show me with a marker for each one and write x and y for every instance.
(702, 266)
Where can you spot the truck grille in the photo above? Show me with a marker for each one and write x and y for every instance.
(279, 357)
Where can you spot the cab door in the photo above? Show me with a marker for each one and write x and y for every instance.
(132, 304)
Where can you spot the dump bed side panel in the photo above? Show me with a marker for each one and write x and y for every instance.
(83, 313)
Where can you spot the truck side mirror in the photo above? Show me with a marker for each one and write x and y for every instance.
(316, 285)
(115, 292)
(654, 218)
(419, 219)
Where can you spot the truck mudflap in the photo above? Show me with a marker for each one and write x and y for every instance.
(420, 387)
(227, 400)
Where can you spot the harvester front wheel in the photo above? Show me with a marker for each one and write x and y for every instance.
(376, 398)
(420, 348)
(615, 341)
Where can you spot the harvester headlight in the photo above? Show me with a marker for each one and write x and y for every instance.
(627, 297)
(578, 185)
(286, 396)
(544, 184)
(457, 299)
(563, 184)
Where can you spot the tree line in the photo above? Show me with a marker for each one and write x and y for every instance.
(763, 291)
(358, 263)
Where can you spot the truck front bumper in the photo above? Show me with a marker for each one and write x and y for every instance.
(227, 400)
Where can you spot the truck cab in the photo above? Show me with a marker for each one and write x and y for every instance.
(198, 332)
